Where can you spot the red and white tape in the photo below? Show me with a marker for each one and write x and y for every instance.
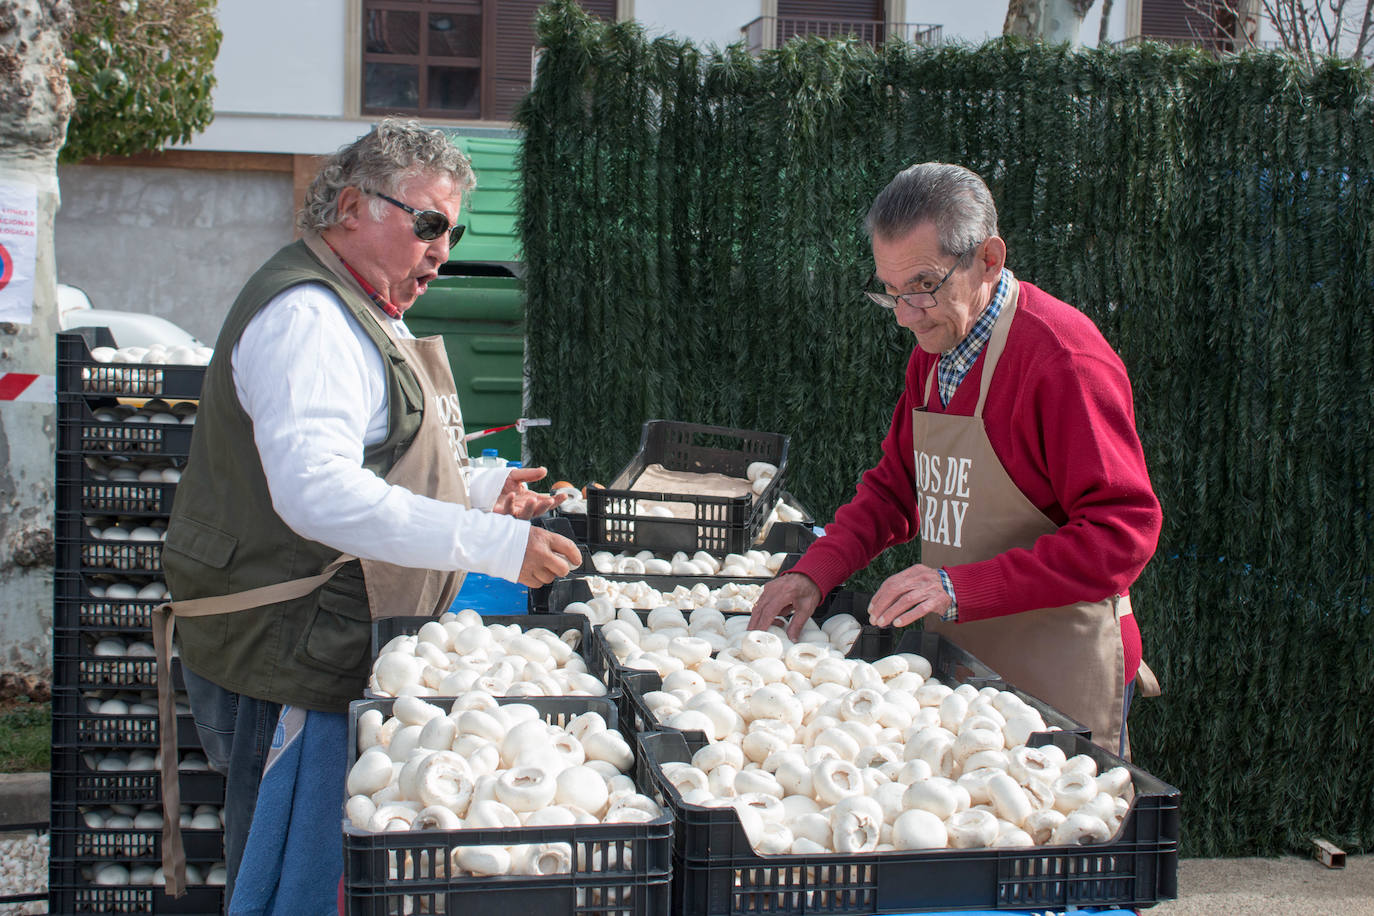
(24, 386)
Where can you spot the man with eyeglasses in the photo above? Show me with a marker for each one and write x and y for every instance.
(328, 485)
(1012, 455)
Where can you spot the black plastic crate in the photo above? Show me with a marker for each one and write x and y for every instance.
(78, 551)
(721, 524)
(75, 782)
(410, 871)
(78, 489)
(566, 591)
(73, 726)
(69, 892)
(80, 433)
(539, 598)
(77, 608)
(386, 629)
(80, 373)
(718, 873)
(75, 664)
(72, 839)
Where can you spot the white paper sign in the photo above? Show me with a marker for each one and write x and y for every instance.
(18, 250)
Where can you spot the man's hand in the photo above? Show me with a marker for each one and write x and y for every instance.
(792, 592)
(907, 597)
(547, 556)
(514, 499)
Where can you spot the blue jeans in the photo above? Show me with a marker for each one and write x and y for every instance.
(1125, 713)
(235, 733)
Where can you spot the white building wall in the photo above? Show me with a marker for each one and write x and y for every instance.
(177, 243)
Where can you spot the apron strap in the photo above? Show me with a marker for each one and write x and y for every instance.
(1147, 682)
(1145, 679)
(173, 851)
(996, 344)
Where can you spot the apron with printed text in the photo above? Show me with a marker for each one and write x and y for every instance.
(431, 466)
(971, 510)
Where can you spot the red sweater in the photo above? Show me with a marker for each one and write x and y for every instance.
(1060, 419)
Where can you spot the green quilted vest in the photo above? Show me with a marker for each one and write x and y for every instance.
(224, 537)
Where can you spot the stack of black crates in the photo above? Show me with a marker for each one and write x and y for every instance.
(124, 432)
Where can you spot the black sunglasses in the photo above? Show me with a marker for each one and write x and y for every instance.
(429, 224)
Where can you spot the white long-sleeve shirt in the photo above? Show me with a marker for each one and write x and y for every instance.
(313, 383)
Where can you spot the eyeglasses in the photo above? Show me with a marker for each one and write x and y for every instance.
(923, 298)
(429, 224)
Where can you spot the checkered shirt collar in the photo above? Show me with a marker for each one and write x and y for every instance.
(955, 363)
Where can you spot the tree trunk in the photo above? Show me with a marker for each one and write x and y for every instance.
(1053, 21)
(35, 105)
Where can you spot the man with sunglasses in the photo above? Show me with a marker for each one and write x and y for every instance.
(327, 486)
(1013, 457)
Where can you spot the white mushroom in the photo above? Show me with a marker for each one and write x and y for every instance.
(974, 828)
(855, 824)
(1072, 790)
(1041, 824)
(445, 779)
(919, 829)
(392, 816)
(436, 817)
(541, 859)
(369, 773)
(482, 861)
(359, 810)
(835, 780)
(1080, 829)
(526, 789)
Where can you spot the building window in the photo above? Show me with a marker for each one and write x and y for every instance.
(460, 59)
(422, 57)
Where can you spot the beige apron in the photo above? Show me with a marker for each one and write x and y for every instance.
(970, 510)
(431, 466)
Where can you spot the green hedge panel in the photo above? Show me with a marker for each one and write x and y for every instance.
(692, 226)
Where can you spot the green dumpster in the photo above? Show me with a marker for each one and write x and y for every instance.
(477, 305)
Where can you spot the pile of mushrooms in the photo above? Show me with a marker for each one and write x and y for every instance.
(116, 874)
(123, 703)
(750, 564)
(138, 827)
(484, 765)
(157, 354)
(819, 753)
(118, 470)
(153, 411)
(459, 653)
(709, 642)
(609, 596)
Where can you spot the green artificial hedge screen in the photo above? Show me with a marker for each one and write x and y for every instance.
(692, 228)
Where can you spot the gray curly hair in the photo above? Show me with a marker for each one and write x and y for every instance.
(955, 199)
(384, 160)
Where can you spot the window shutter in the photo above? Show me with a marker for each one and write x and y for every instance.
(848, 10)
(510, 54)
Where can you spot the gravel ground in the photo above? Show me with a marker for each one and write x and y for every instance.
(23, 870)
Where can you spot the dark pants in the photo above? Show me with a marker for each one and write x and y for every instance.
(235, 733)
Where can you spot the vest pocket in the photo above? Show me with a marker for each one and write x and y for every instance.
(338, 632)
(203, 543)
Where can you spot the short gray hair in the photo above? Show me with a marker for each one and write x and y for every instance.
(953, 198)
(384, 160)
